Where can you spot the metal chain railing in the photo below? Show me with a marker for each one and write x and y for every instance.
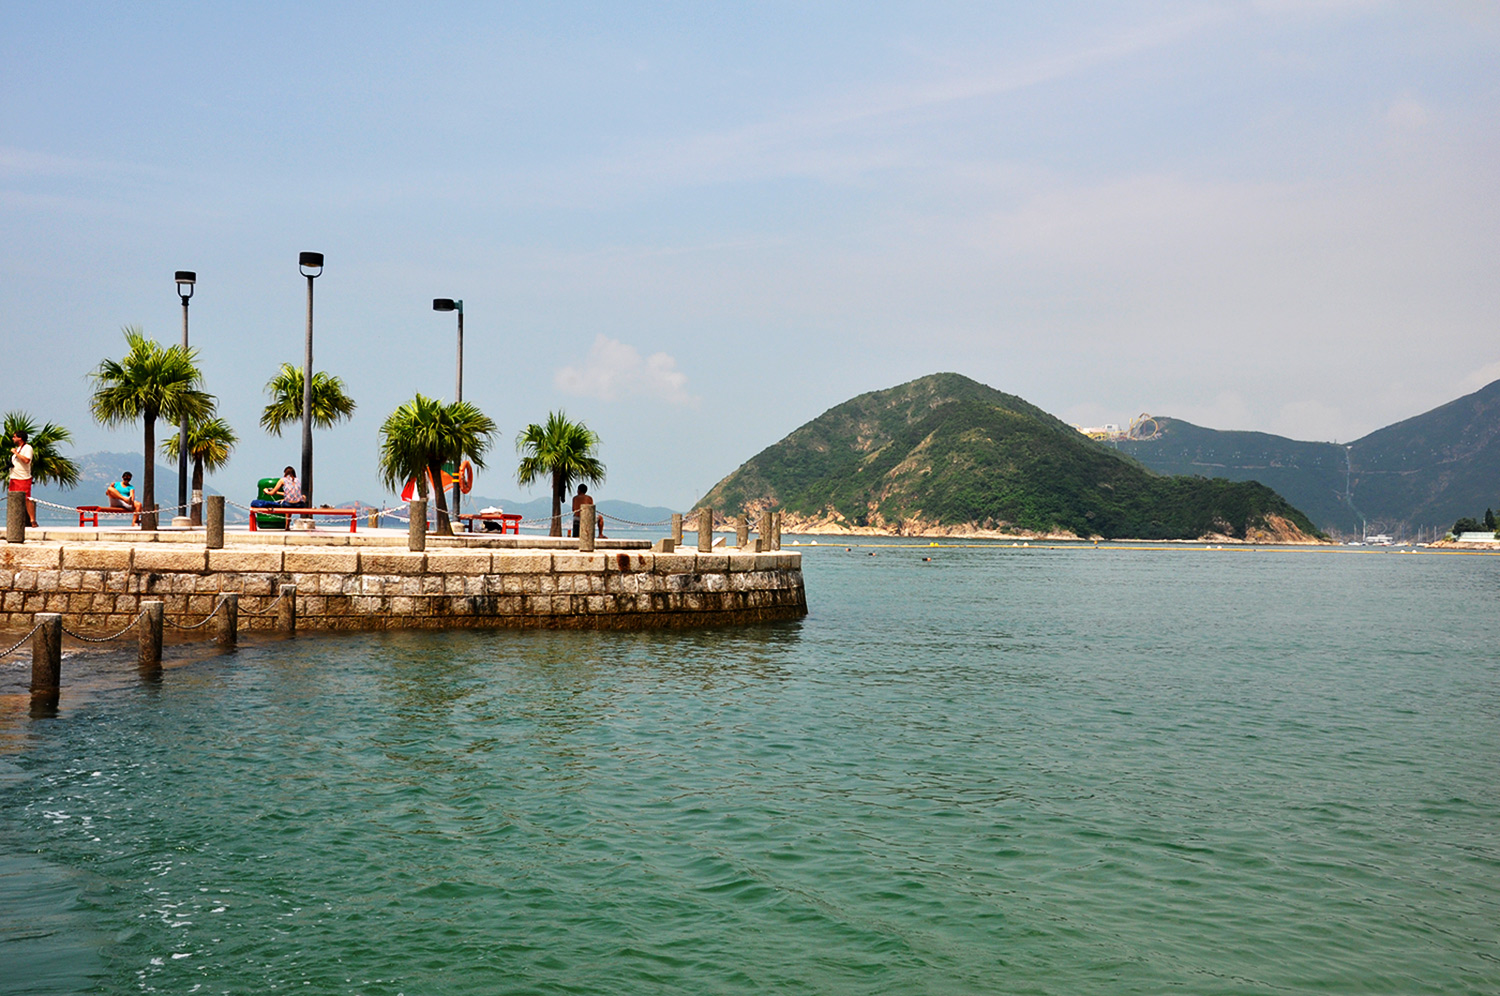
(102, 510)
(105, 639)
(397, 511)
(268, 610)
(21, 643)
(204, 621)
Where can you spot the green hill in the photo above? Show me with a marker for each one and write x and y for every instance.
(1309, 475)
(1420, 473)
(945, 452)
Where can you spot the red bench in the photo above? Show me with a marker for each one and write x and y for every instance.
(91, 513)
(510, 522)
(351, 514)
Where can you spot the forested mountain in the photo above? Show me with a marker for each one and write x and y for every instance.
(1423, 472)
(945, 453)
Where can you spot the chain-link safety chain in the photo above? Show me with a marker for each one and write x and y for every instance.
(268, 610)
(21, 643)
(105, 639)
(204, 622)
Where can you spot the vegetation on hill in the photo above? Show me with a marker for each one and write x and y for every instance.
(945, 451)
(1431, 468)
(1419, 473)
(1312, 476)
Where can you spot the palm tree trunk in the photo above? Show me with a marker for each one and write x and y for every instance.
(197, 489)
(148, 475)
(444, 527)
(557, 497)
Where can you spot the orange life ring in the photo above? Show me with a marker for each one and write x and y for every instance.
(465, 477)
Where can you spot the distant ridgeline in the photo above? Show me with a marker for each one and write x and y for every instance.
(945, 453)
(1424, 472)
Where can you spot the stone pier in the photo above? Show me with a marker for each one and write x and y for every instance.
(367, 582)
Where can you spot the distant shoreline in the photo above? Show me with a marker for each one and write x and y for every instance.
(800, 525)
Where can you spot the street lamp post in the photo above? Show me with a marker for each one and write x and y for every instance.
(448, 304)
(185, 281)
(313, 262)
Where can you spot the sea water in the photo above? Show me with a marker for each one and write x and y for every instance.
(997, 770)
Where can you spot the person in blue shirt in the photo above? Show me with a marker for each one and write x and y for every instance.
(121, 494)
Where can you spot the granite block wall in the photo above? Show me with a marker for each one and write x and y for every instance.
(99, 587)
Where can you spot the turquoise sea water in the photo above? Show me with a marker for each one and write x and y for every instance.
(1000, 771)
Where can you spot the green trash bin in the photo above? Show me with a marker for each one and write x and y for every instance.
(263, 493)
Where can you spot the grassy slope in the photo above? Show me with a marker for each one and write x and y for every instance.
(947, 450)
(1310, 475)
(1426, 470)
(1434, 467)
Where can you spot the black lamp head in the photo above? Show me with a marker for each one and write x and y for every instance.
(185, 281)
(447, 304)
(310, 261)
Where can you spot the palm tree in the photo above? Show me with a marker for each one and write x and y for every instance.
(422, 435)
(561, 450)
(209, 444)
(329, 402)
(330, 405)
(150, 382)
(48, 466)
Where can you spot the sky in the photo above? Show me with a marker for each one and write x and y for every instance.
(697, 226)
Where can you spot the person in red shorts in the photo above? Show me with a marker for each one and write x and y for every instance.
(20, 471)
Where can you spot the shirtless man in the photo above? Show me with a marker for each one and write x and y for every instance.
(581, 499)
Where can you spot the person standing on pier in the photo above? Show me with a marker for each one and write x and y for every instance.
(20, 470)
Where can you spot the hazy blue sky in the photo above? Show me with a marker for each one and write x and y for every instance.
(698, 226)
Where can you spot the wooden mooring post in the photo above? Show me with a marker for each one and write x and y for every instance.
(286, 610)
(46, 655)
(229, 621)
(148, 656)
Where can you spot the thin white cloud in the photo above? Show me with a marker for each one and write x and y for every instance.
(614, 370)
(799, 143)
(1406, 114)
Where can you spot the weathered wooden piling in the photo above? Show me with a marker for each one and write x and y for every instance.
(227, 631)
(148, 629)
(46, 655)
(286, 610)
